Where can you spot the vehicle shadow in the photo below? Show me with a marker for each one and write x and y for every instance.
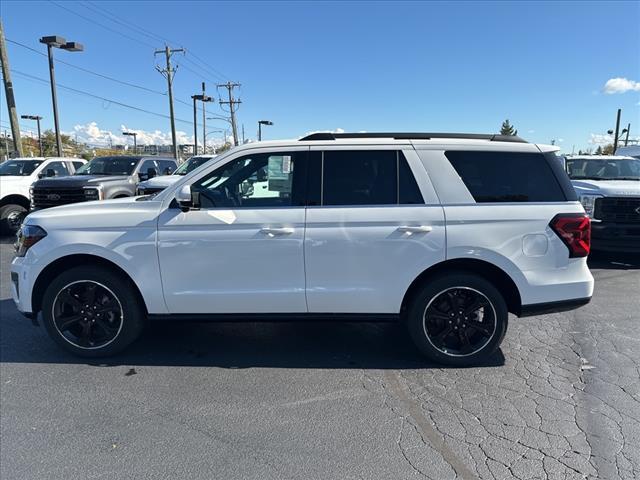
(614, 261)
(322, 345)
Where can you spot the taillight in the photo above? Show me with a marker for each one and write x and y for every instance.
(574, 229)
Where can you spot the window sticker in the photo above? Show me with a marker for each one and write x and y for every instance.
(279, 173)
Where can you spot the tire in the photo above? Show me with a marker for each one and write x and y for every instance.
(11, 217)
(439, 330)
(113, 320)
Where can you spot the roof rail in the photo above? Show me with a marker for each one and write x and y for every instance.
(415, 136)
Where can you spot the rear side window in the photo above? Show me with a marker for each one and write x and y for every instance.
(367, 177)
(507, 176)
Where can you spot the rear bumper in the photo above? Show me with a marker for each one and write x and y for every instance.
(552, 307)
(615, 237)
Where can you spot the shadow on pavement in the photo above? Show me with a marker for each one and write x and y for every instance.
(614, 261)
(234, 345)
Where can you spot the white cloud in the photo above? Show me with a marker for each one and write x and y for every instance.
(92, 134)
(600, 139)
(620, 85)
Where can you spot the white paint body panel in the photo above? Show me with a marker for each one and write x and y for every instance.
(328, 259)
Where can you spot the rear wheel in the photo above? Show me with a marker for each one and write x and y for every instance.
(11, 217)
(92, 311)
(458, 319)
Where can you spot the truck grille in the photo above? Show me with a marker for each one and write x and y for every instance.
(618, 209)
(52, 197)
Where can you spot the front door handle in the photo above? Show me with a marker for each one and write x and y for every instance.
(414, 229)
(272, 232)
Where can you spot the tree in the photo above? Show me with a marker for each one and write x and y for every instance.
(599, 150)
(607, 149)
(507, 128)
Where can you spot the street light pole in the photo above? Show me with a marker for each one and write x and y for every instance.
(135, 140)
(260, 123)
(57, 42)
(37, 118)
(203, 98)
(615, 138)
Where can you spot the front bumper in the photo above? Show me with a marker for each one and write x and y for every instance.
(20, 283)
(615, 237)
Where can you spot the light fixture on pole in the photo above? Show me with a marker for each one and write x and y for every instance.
(135, 140)
(57, 42)
(37, 119)
(203, 99)
(260, 123)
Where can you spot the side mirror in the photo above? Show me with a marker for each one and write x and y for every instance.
(185, 198)
(152, 172)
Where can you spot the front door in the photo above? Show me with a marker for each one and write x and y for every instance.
(242, 251)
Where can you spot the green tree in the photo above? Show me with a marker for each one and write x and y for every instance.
(598, 150)
(507, 128)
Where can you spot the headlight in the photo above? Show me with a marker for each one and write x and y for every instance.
(93, 193)
(589, 203)
(28, 236)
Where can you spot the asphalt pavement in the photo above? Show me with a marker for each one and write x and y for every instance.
(561, 400)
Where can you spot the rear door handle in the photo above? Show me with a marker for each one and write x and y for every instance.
(414, 229)
(272, 232)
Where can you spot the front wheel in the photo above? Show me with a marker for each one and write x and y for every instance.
(458, 319)
(11, 217)
(92, 311)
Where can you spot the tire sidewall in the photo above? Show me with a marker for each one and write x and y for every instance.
(132, 314)
(5, 227)
(415, 318)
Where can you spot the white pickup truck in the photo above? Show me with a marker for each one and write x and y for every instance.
(17, 175)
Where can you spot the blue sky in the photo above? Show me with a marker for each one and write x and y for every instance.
(372, 66)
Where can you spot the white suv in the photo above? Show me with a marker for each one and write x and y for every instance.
(17, 175)
(445, 232)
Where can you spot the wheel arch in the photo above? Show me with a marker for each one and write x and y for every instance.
(487, 270)
(69, 261)
(16, 199)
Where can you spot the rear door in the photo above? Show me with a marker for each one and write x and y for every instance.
(373, 225)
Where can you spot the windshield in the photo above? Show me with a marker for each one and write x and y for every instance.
(109, 166)
(190, 165)
(19, 168)
(609, 169)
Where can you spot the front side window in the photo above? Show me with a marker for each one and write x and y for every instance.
(60, 169)
(166, 167)
(191, 164)
(109, 166)
(254, 181)
(507, 176)
(367, 177)
(19, 168)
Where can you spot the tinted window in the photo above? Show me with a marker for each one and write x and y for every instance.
(367, 177)
(167, 167)
(147, 164)
(109, 166)
(409, 191)
(18, 167)
(251, 181)
(507, 176)
(60, 168)
(77, 165)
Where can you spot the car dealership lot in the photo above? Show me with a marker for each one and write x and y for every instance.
(283, 400)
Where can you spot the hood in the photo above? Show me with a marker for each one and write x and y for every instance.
(609, 188)
(79, 181)
(160, 182)
(118, 213)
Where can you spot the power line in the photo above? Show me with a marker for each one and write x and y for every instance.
(88, 94)
(101, 25)
(86, 70)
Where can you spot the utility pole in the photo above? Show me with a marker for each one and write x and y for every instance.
(626, 139)
(168, 73)
(243, 133)
(232, 107)
(8, 91)
(615, 138)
